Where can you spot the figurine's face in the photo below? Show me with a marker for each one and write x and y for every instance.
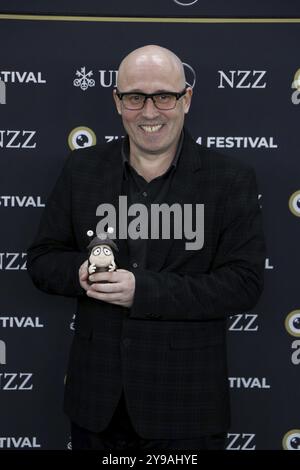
(101, 255)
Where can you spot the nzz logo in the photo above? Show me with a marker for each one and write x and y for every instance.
(242, 79)
(243, 322)
(241, 441)
(13, 261)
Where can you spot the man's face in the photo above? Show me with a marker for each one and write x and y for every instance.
(101, 256)
(151, 130)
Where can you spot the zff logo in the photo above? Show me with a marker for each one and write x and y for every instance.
(81, 137)
(291, 440)
(292, 326)
(294, 203)
(242, 79)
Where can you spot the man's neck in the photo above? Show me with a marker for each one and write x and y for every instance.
(151, 166)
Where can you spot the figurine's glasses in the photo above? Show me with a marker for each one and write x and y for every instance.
(105, 250)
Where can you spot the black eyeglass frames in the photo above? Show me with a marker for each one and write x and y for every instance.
(164, 100)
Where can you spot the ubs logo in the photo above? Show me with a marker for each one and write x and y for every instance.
(81, 137)
(291, 440)
(84, 80)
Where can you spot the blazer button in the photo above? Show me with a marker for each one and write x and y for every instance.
(126, 342)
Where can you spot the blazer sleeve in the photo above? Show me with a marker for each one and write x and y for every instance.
(235, 280)
(53, 259)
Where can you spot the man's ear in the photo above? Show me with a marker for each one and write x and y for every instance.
(187, 99)
(117, 101)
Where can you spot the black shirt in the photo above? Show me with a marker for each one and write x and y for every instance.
(139, 191)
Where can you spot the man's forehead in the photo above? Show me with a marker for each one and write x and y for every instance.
(157, 78)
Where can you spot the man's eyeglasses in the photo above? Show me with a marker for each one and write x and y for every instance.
(163, 100)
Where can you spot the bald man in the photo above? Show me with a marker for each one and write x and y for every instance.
(147, 367)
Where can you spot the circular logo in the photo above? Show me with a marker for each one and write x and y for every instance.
(292, 323)
(294, 203)
(291, 440)
(81, 137)
(190, 75)
(296, 81)
(186, 3)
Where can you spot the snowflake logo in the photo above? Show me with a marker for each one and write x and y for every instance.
(84, 81)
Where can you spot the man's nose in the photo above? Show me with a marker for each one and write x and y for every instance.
(149, 109)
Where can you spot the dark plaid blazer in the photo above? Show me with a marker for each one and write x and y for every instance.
(168, 351)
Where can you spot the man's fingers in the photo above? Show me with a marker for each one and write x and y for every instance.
(106, 297)
(107, 287)
(105, 276)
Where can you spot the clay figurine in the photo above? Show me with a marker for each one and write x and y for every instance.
(101, 254)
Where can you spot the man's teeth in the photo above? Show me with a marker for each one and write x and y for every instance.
(152, 128)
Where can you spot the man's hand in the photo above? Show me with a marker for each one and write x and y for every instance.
(118, 287)
(83, 275)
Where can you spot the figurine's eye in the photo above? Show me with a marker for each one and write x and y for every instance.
(107, 251)
(97, 251)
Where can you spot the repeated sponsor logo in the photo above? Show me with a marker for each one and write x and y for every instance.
(240, 142)
(242, 79)
(249, 382)
(291, 440)
(2, 92)
(296, 87)
(294, 203)
(247, 322)
(81, 137)
(13, 261)
(17, 139)
(292, 326)
(9, 76)
(2, 352)
(111, 138)
(241, 441)
(85, 79)
(185, 3)
(9, 321)
(19, 443)
(20, 381)
(21, 201)
(292, 323)
(9, 381)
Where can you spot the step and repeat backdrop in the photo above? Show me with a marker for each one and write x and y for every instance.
(57, 76)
